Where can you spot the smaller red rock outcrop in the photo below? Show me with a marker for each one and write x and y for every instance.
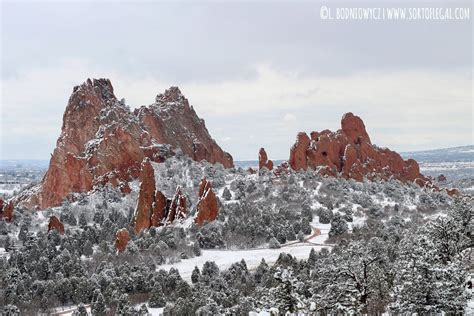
(153, 208)
(178, 209)
(55, 223)
(121, 239)
(207, 206)
(441, 178)
(8, 212)
(263, 161)
(349, 153)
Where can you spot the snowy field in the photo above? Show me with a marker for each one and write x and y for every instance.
(253, 257)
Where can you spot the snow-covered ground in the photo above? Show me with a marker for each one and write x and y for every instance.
(225, 258)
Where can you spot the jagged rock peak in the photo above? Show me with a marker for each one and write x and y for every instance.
(101, 87)
(171, 95)
(102, 142)
(354, 128)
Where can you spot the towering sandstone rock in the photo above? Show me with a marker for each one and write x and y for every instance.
(263, 161)
(350, 153)
(207, 206)
(146, 197)
(102, 142)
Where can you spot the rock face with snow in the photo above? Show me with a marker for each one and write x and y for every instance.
(55, 223)
(146, 197)
(263, 161)
(102, 141)
(207, 206)
(178, 209)
(349, 152)
(121, 239)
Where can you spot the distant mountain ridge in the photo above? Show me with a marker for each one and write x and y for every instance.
(455, 154)
(452, 154)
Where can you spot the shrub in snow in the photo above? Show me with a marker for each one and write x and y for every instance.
(226, 195)
(338, 226)
(80, 311)
(195, 275)
(273, 243)
(300, 236)
(325, 215)
(157, 298)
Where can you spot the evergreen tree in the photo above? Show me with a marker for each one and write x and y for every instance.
(226, 195)
(98, 306)
(157, 298)
(196, 249)
(286, 298)
(195, 275)
(80, 311)
(82, 220)
(143, 311)
(338, 226)
(273, 243)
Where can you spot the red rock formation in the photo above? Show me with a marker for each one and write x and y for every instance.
(160, 209)
(297, 159)
(207, 206)
(121, 239)
(350, 153)
(263, 161)
(178, 209)
(161, 121)
(251, 170)
(103, 142)
(1, 208)
(55, 223)
(354, 128)
(146, 197)
(8, 212)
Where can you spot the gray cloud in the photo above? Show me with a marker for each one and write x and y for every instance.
(243, 65)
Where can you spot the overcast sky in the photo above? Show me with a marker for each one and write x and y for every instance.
(257, 72)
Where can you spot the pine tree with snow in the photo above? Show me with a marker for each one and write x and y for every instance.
(82, 220)
(196, 274)
(312, 257)
(80, 311)
(98, 306)
(286, 298)
(338, 226)
(226, 195)
(196, 249)
(10, 310)
(157, 298)
(274, 243)
(22, 235)
(143, 311)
